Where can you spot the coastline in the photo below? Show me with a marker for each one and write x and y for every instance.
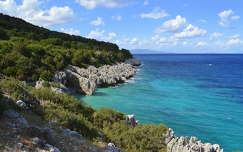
(75, 80)
(181, 143)
(172, 142)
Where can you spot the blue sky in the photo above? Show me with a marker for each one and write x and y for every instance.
(188, 26)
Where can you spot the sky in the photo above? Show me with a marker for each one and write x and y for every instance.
(171, 26)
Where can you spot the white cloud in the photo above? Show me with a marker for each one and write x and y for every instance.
(172, 25)
(70, 31)
(98, 22)
(234, 42)
(216, 34)
(91, 4)
(117, 18)
(201, 44)
(156, 13)
(226, 18)
(102, 35)
(96, 34)
(236, 36)
(30, 11)
(146, 2)
(190, 31)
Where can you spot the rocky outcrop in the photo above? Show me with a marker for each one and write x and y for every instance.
(87, 80)
(131, 121)
(112, 148)
(21, 104)
(39, 84)
(186, 144)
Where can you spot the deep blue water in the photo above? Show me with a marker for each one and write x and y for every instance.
(196, 95)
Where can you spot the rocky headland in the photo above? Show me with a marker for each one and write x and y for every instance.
(86, 81)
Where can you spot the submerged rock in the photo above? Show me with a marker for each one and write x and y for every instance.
(186, 144)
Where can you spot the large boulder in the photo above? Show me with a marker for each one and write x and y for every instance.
(21, 104)
(112, 148)
(79, 83)
(39, 84)
(131, 121)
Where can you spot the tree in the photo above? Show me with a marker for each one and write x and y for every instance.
(3, 35)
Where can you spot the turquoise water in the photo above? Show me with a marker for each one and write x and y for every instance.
(196, 95)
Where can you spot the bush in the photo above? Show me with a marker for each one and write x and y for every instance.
(14, 88)
(67, 102)
(68, 119)
(142, 138)
(105, 117)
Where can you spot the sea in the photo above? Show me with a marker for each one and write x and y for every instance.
(196, 95)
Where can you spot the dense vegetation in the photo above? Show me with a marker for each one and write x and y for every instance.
(29, 52)
(97, 125)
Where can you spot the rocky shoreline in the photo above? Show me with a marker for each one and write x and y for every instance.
(188, 144)
(86, 81)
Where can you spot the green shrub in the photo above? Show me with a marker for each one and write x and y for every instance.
(68, 119)
(66, 101)
(13, 87)
(106, 117)
(142, 138)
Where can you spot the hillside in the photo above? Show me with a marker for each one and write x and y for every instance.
(29, 52)
(42, 119)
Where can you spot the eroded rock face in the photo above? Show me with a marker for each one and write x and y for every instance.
(87, 80)
(186, 144)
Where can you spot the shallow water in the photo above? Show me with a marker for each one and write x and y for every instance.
(196, 95)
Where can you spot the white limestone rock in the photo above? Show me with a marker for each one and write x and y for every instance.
(21, 104)
(186, 144)
(87, 80)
